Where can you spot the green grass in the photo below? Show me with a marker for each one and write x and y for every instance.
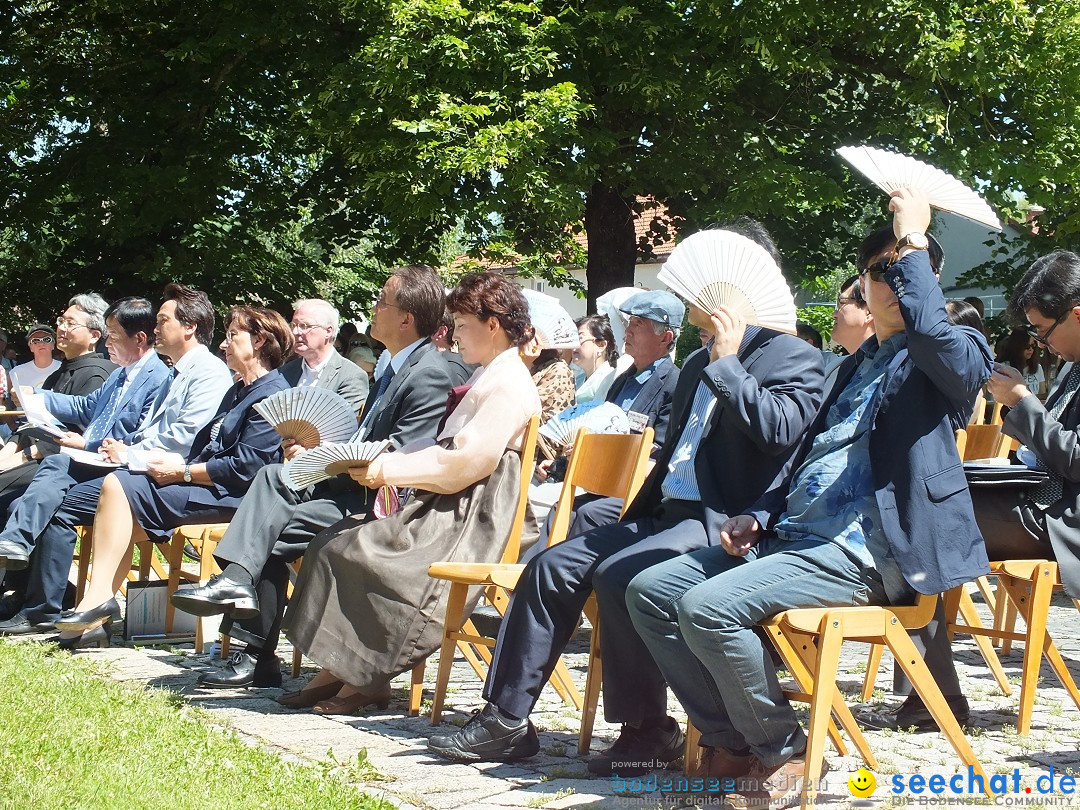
(69, 738)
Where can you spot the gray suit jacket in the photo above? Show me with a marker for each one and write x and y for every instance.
(1056, 443)
(414, 403)
(340, 375)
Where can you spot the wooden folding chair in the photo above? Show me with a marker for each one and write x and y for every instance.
(809, 642)
(458, 630)
(602, 464)
(1028, 586)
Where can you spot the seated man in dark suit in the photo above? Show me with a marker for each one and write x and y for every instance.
(740, 409)
(877, 509)
(1042, 522)
(274, 524)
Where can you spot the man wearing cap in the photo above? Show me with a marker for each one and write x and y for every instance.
(40, 339)
(644, 391)
(739, 411)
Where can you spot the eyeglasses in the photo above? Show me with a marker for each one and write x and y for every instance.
(67, 323)
(877, 269)
(382, 302)
(232, 335)
(843, 302)
(304, 328)
(1045, 339)
(35, 341)
(586, 340)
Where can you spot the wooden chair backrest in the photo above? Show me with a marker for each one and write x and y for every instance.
(985, 441)
(528, 462)
(608, 464)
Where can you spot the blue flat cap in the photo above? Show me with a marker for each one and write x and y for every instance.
(655, 305)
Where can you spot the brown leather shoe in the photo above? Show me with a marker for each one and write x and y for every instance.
(719, 763)
(353, 703)
(765, 788)
(306, 698)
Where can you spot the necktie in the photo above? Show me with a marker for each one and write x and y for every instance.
(99, 428)
(373, 400)
(1050, 491)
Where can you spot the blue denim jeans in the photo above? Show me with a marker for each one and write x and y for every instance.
(697, 614)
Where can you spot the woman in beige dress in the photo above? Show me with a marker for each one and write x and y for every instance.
(364, 607)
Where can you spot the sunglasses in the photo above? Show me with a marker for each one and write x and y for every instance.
(876, 271)
(46, 339)
(1044, 339)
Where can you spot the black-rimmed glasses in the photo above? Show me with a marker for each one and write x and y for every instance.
(1045, 339)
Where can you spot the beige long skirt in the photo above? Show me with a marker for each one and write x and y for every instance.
(364, 607)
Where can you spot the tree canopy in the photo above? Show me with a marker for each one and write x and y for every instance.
(269, 150)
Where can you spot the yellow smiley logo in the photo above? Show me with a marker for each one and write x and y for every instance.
(862, 783)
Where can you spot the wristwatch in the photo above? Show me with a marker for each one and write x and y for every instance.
(914, 240)
(187, 474)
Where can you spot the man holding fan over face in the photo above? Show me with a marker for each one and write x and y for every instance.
(877, 509)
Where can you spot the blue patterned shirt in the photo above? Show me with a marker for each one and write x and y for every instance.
(633, 385)
(832, 495)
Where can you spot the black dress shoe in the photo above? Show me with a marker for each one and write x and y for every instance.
(19, 625)
(13, 556)
(11, 604)
(219, 595)
(912, 713)
(89, 619)
(244, 670)
(98, 637)
(487, 737)
(638, 751)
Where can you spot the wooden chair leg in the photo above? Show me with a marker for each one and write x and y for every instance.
(1038, 605)
(873, 664)
(911, 661)
(987, 591)
(455, 619)
(970, 616)
(830, 639)
(416, 689)
(593, 680)
(691, 749)
(297, 662)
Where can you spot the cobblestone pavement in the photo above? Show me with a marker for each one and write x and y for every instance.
(557, 778)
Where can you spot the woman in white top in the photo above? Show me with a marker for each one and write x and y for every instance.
(364, 607)
(596, 355)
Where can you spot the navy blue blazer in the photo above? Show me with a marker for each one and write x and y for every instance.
(653, 400)
(245, 443)
(766, 398)
(137, 400)
(925, 396)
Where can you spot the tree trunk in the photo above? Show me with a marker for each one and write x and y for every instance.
(609, 225)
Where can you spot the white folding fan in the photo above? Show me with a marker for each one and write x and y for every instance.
(891, 171)
(310, 416)
(555, 329)
(328, 460)
(720, 268)
(597, 416)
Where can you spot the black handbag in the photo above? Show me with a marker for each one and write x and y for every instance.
(1002, 475)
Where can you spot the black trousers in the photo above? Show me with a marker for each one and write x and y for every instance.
(544, 610)
(273, 527)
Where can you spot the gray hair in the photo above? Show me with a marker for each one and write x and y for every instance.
(329, 312)
(94, 306)
(660, 328)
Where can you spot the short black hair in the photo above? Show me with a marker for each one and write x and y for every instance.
(852, 282)
(1051, 285)
(192, 309)
(885, 239)
(808, 333)
(134, 315)
(420, 293)
(753, 230)
(961, 313)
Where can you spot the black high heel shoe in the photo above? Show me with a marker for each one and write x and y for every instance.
(89, 619)
(99, 637)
